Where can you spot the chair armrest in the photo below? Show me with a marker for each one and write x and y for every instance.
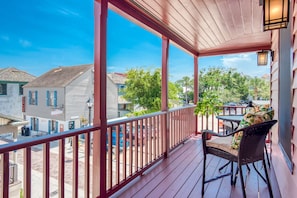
(205, 133)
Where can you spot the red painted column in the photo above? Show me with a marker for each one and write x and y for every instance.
(99, 137)
(196, 89)
(164, 93)
(196, 78)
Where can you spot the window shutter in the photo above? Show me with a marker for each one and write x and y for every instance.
(31, 120)
(37, 124)
(56, 129)
(47, 98)
(36, 97)
(30, 97)
(55, 98)
(49, 127)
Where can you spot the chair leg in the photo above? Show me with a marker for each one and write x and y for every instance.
(235, 177)
(267, 178)
(267, 157)
(203, 176)
(242, 181)
(231, 173)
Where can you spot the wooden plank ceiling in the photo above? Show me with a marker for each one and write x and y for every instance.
(202, 27)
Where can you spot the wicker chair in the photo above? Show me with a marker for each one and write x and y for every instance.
(251, 150)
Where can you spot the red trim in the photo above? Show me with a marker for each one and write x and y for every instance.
(99, 139)
(164, 93)
(213, 52)
(46, 170)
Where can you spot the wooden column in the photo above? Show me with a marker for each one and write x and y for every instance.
(196, 89)
(164, 91)
(99, 137)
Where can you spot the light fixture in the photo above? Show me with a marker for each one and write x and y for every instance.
(276, 14)
(262, 57)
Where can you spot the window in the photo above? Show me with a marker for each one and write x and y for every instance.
(33, 96)
(122, 107)
(121, 89)
(3, 89)
(52, 126)
(51, 98)
(21, 89)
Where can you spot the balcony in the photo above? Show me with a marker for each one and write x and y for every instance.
(138, 151)
(102, 165)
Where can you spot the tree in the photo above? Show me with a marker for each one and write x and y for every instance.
(228, 84)
(208, 104)
(143, 88)
(259, 88)
(185, 85)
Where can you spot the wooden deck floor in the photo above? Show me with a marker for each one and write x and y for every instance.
(180, 175)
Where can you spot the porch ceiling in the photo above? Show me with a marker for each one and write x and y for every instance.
(202, 27)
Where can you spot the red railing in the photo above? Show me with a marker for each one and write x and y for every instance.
(139, 143)
(52, 164)
(215, 124)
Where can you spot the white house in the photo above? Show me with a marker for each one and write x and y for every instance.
(12, 81)
(124, 106)
(57, 100)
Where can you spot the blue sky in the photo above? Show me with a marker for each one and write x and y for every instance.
(37, 35)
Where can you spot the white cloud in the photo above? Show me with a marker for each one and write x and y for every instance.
(5, 38)
(236, 60)
(25, 43)
(245, 63)
(67, 12)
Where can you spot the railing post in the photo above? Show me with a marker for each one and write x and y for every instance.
(164, 95)
(196, 90)
(99, 137)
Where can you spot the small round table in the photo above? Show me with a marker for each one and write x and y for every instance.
(232, 119)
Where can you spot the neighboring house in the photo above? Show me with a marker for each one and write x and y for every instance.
(11, 125)
(57, 100)
(124, 106)
(12, 81)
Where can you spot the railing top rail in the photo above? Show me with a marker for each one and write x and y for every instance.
(181, 108)
(45, 139)
(53, 137)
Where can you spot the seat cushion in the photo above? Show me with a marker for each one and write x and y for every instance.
(254, 115)
(222, 143)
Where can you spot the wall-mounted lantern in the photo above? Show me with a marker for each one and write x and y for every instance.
(275, 14)
(262, 57)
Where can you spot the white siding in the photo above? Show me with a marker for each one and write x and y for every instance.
(11, 104)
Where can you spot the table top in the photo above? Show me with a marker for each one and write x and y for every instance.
(230, 118)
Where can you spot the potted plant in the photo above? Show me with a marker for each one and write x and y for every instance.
(208, 104)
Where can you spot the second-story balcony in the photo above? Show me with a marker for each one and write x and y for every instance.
(142, 159)
(161, 153)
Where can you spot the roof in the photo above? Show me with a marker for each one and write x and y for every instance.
(15, 75)
(60, 76)
(201, 27)
(10, 120)
(118, 78)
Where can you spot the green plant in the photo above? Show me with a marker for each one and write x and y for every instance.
(208, 104)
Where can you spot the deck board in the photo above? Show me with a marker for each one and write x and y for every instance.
(180, 175)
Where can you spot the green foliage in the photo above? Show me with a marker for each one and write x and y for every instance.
(217, 85)
(143, 88)
(259, 88)
(232, 86)
(185, 86)
(208, 104)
